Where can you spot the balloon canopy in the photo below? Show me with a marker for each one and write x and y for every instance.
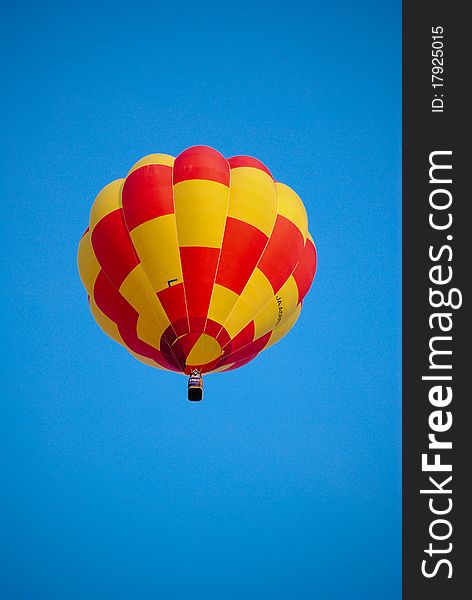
(198, 262)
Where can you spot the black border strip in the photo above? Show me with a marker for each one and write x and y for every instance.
(424, 132)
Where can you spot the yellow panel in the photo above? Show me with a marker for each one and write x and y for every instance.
(150, 326)
(153, 159)
(136, 288)
(89, 267)
(159, 313)
(157, 236)
(222, 301)
(241, 315)
(279, 332)
(291, 207)
(257, 293)
(106, 324)
(205, 350)
(144, 300)
(160, 280)
(278, 310)
(156, 244)
(200, 211)
(108, 200)
(253, 198)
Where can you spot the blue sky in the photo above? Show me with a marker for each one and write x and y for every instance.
(285, 482)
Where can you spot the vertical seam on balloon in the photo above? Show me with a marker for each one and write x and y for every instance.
(254, 270)
(180, 259)
(143, 275)
(218, 261)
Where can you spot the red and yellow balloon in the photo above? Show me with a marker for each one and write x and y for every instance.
(198, 261)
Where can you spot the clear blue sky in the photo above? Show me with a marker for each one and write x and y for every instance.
(285, 482)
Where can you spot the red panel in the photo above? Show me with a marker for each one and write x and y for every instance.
(201, 162)
(187, 342)
(173, 302)
(282, 253)
(147, 194)
(244, 337)
(247, 351)
(169, 335)
(243, 245)
(171, 350)
(140, 347)
(199, 269)
(248, 161)
(182, 348)
(172, 355)
(85, 232)
(179, 345)
(116, 308)
(305, 271)
(181, 326)
(209, 366)
(113, 304)
(112, 247)
(216, 330)
(197, 323)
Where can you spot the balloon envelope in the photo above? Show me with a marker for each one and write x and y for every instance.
(198, 261)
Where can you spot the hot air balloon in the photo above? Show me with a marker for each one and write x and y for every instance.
(197, 264)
